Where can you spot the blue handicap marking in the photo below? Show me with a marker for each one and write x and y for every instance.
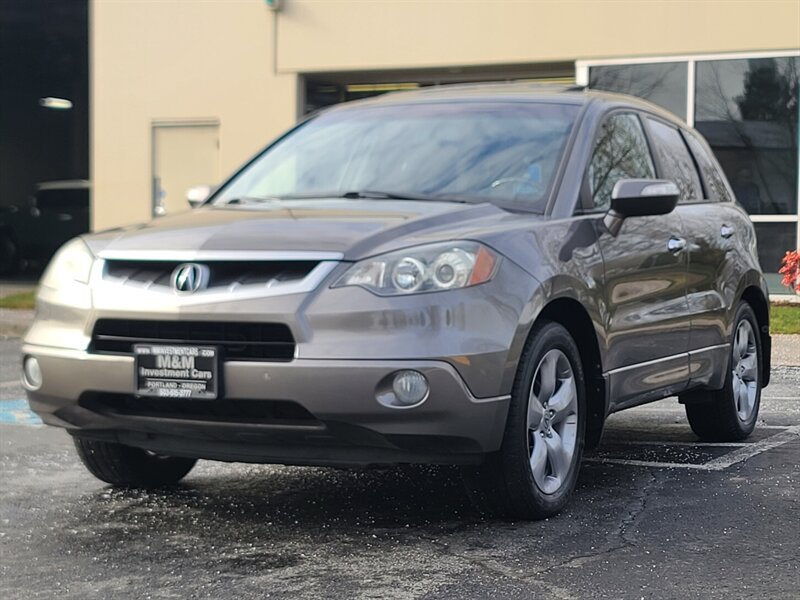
(17, 412)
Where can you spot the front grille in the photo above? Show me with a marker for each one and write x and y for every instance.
(222, 274)
(238, 341)
(278, 412)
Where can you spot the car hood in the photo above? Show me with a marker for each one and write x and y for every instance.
(352, 228)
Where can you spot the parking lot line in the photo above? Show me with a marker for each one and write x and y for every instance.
(8, 384)
(739, 454)
(692, 444)
(17, 412)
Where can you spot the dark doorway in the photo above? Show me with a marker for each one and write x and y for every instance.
(44, 115)
(44, 53)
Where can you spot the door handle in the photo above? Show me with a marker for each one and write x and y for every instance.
(726, 231)
(676, 244)
(64, 217)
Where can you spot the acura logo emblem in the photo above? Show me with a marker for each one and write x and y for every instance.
(190, 277)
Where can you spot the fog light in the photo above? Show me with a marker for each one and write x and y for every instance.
(410, 387)
(33, 372)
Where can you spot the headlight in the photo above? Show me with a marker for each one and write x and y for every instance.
(423, 269)
(72, 263)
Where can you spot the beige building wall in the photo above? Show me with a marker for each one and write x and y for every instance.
(237, 62)
(177, 61)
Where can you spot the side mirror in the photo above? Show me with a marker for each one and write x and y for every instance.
(197, 194)
(640, 198)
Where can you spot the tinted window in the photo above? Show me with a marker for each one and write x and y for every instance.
(620, 152)
(748, 111)
(661, 83)
(676, 161)
(715, 186)
(504, 153)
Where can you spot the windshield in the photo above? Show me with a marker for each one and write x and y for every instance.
(504, 153)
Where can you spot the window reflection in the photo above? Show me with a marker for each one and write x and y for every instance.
(497, 152)
(675, 161)
(661, 83)
(748, 111)
(620, 153)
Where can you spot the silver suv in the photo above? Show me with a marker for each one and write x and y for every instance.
(474, 275)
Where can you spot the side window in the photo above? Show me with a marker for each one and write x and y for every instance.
(715, 185)
(620, 152)
(676, 161)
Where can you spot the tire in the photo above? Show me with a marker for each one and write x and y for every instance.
(730, 414)
(126, 466)
(535, 471)
(9, 256)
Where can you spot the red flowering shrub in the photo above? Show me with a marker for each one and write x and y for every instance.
(790, 269)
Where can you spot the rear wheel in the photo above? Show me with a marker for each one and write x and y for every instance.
(131, 467)
(730, 414)
(535, 471)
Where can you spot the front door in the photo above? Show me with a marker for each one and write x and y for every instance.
(646, 316)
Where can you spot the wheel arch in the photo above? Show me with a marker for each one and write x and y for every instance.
(573, 316)
(754, 295)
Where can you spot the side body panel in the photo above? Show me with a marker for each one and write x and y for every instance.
(647, 320)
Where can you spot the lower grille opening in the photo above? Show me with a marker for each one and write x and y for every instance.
(261, 412)
(239, 341)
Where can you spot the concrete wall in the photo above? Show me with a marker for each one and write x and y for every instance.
(237, 62)
(169, 60)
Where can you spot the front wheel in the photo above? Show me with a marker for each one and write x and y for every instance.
(729, 414)
(535, 471)
(126, 466)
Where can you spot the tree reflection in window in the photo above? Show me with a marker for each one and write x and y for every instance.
(621, 152)
(748, 111)
(676, 161)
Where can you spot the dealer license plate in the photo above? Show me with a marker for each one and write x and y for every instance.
(167, 371)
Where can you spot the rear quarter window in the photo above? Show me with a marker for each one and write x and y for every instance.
(714, 181)
(676, 162)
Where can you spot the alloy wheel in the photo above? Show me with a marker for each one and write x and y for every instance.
(744, 363)
(552, 421)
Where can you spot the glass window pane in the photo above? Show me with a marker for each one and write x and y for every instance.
(676, 161)
(748, 111)
(620, 153)
(661, 83)
(774, 239)
(715, 185)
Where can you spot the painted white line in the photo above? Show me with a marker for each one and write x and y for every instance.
(8, 384)
(781, 398)
(738, 455)
(669, 443)
(645, 463)
(742, 454)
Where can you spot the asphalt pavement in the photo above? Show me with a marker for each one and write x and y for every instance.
(655, 515)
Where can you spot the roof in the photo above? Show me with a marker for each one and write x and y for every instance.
(514, 91)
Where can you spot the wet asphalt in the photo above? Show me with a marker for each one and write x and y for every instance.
(632, 530)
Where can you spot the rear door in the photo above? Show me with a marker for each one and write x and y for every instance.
(716, 230)
(647, 321)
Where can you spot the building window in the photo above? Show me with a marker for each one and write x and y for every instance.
(747, 110)
(661, 83)
(747, 107)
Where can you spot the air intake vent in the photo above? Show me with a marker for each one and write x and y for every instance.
(239, 341)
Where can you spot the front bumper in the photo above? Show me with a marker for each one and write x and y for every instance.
(346, 424)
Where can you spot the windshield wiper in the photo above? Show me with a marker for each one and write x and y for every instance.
(380, 195)
(251, 200)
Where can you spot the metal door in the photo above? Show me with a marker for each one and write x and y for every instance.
(184, 155)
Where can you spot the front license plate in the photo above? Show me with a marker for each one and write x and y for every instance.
(176, 371)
